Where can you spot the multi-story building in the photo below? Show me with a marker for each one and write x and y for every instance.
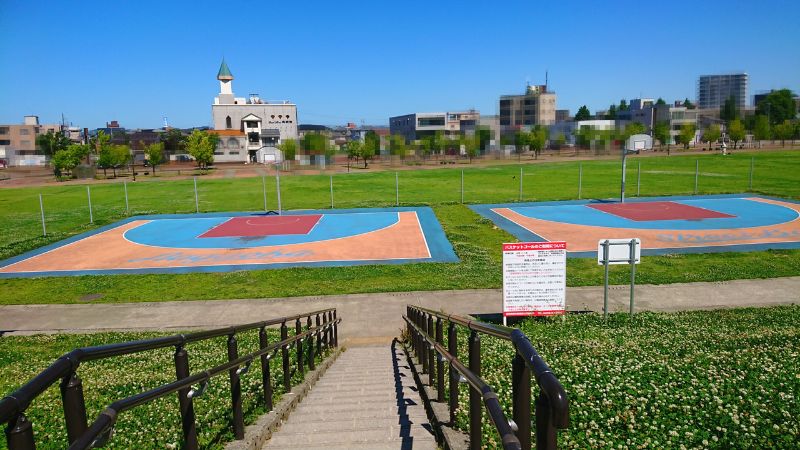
(676, 116)
(418, 125)
(18, 142)
(537, 106)
(713, 90)
(251, 128)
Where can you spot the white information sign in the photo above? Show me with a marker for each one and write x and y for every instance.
(534, 278)
(619, 251)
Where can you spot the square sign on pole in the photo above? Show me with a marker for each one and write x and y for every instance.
(534, 278)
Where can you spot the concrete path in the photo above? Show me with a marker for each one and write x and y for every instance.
(366, 400)
(377, 317)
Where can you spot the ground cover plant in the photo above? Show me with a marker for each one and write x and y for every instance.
(153, 425)
(475, 240)
(698, 379)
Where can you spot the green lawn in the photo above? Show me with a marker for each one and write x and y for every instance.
(702, 379)
(153, 425)
(476, 240)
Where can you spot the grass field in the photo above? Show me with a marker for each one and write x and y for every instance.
(475, 240)
(153, 425)
(702, 379)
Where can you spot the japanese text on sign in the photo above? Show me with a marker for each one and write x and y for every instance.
(534, 278)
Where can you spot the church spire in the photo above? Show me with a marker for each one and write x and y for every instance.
(224, 73)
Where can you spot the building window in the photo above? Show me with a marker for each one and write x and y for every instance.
(228, 123)
(5, 142)
(233, 153)
(3, 130)
(233, 143)
(252, 124)
(24, 144)
(24, 131)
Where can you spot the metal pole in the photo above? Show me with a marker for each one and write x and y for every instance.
(622, 186)
(452, 348)
(439, 362)
(127, 207)
(397, 189)
(74, 406)
(521, 400)
(41, 208)
(696, 174)
(89, 196)
(638, 178)
(264, 189)
(236, 390)
(475, 400)
(278, 187)
(520, 184)
(287, 379)
(331, 191)
(752, 158)
(580, 179)
(462, 186)
(298, 328)
(196, 202)
(185, 403)
(266, 378)
(605, 279)
(633, 269)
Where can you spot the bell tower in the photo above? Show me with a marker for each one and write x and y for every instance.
(225, 78)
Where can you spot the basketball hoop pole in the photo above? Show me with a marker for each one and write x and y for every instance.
(625, 153)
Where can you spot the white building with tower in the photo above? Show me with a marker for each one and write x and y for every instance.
(249, 129)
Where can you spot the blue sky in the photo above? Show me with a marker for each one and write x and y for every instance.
(137, 61)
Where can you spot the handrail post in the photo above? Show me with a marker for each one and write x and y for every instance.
(310, 345)
(335, 330)
(74, 406)
(545, 430)
(184, 402)
(521, 401)
(321, 337)
(298, 328)
(287, 378)
(423, 344)
(330, 329)
(431, 352)
(452, 348)
(19, 434)
(439, 363)
(475, 403)
(236, 390)
(266, 378)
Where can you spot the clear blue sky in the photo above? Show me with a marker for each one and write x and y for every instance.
(136, 61)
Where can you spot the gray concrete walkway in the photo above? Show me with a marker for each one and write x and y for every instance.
(377, 317)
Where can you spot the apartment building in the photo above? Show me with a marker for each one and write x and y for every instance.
(713, 90)
(415, 126)
(537, 106)
(18, 142)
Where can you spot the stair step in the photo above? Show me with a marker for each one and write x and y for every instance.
(348, 437)
(394, 444)
(350, 424)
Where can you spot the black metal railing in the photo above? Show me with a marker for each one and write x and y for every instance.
(425, 328)
(19, 430)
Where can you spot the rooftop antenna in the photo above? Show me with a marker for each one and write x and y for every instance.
(545, 80)
(166, 123)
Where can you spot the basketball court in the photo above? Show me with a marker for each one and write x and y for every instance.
(242, 241)
(696, 224)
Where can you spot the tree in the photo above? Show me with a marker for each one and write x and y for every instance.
(52, 142)
(119, 156)
(633, 128)
(154, 154)
(660, 101)
(174, 141)
(736, 131)
(201, 146)
(784, 131)
(612, 112)
(426, 146)
(537, 140)
(661, 132)
(521, 139)
(729, 110)
(560, 140)
(687, 134)
(778, 106)
(354, 150)
(583, 113)
(761, 128)
(66, 159)
(289, 150)
(372, 146)
(471, 146)
(397, 146)
(623, 105)
(688, 105)
(712, 135)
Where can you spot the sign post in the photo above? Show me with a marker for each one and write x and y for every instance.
(534, 279)
(618, 251)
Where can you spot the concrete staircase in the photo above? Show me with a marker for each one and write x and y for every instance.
(366, 400)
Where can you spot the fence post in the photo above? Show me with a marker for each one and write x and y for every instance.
(638, 178)
(462, 186)
(396, 189)
(521, 402)
(41, 208)
(580, 179)
(520, 184)
(89, 196)
(278, 188)
(431, 352)
(439, 362)
(74, 406)
(475, 401)
(185, 403)
(452, 348)
(331, 191)
(696, 174)
(236, 390)
(196, 201)
(266, 378)
(545, 430)
(19, 433)
(287, 379)
(264, 189)
(321, 335)
(310, 345)
(335, 330)
(127, 207)
(752, 160)
(606, 245)
(298, 328)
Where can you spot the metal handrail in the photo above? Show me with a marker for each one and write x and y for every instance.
(19, 434)
(490, 402)
(552, 404)
(104, 423)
